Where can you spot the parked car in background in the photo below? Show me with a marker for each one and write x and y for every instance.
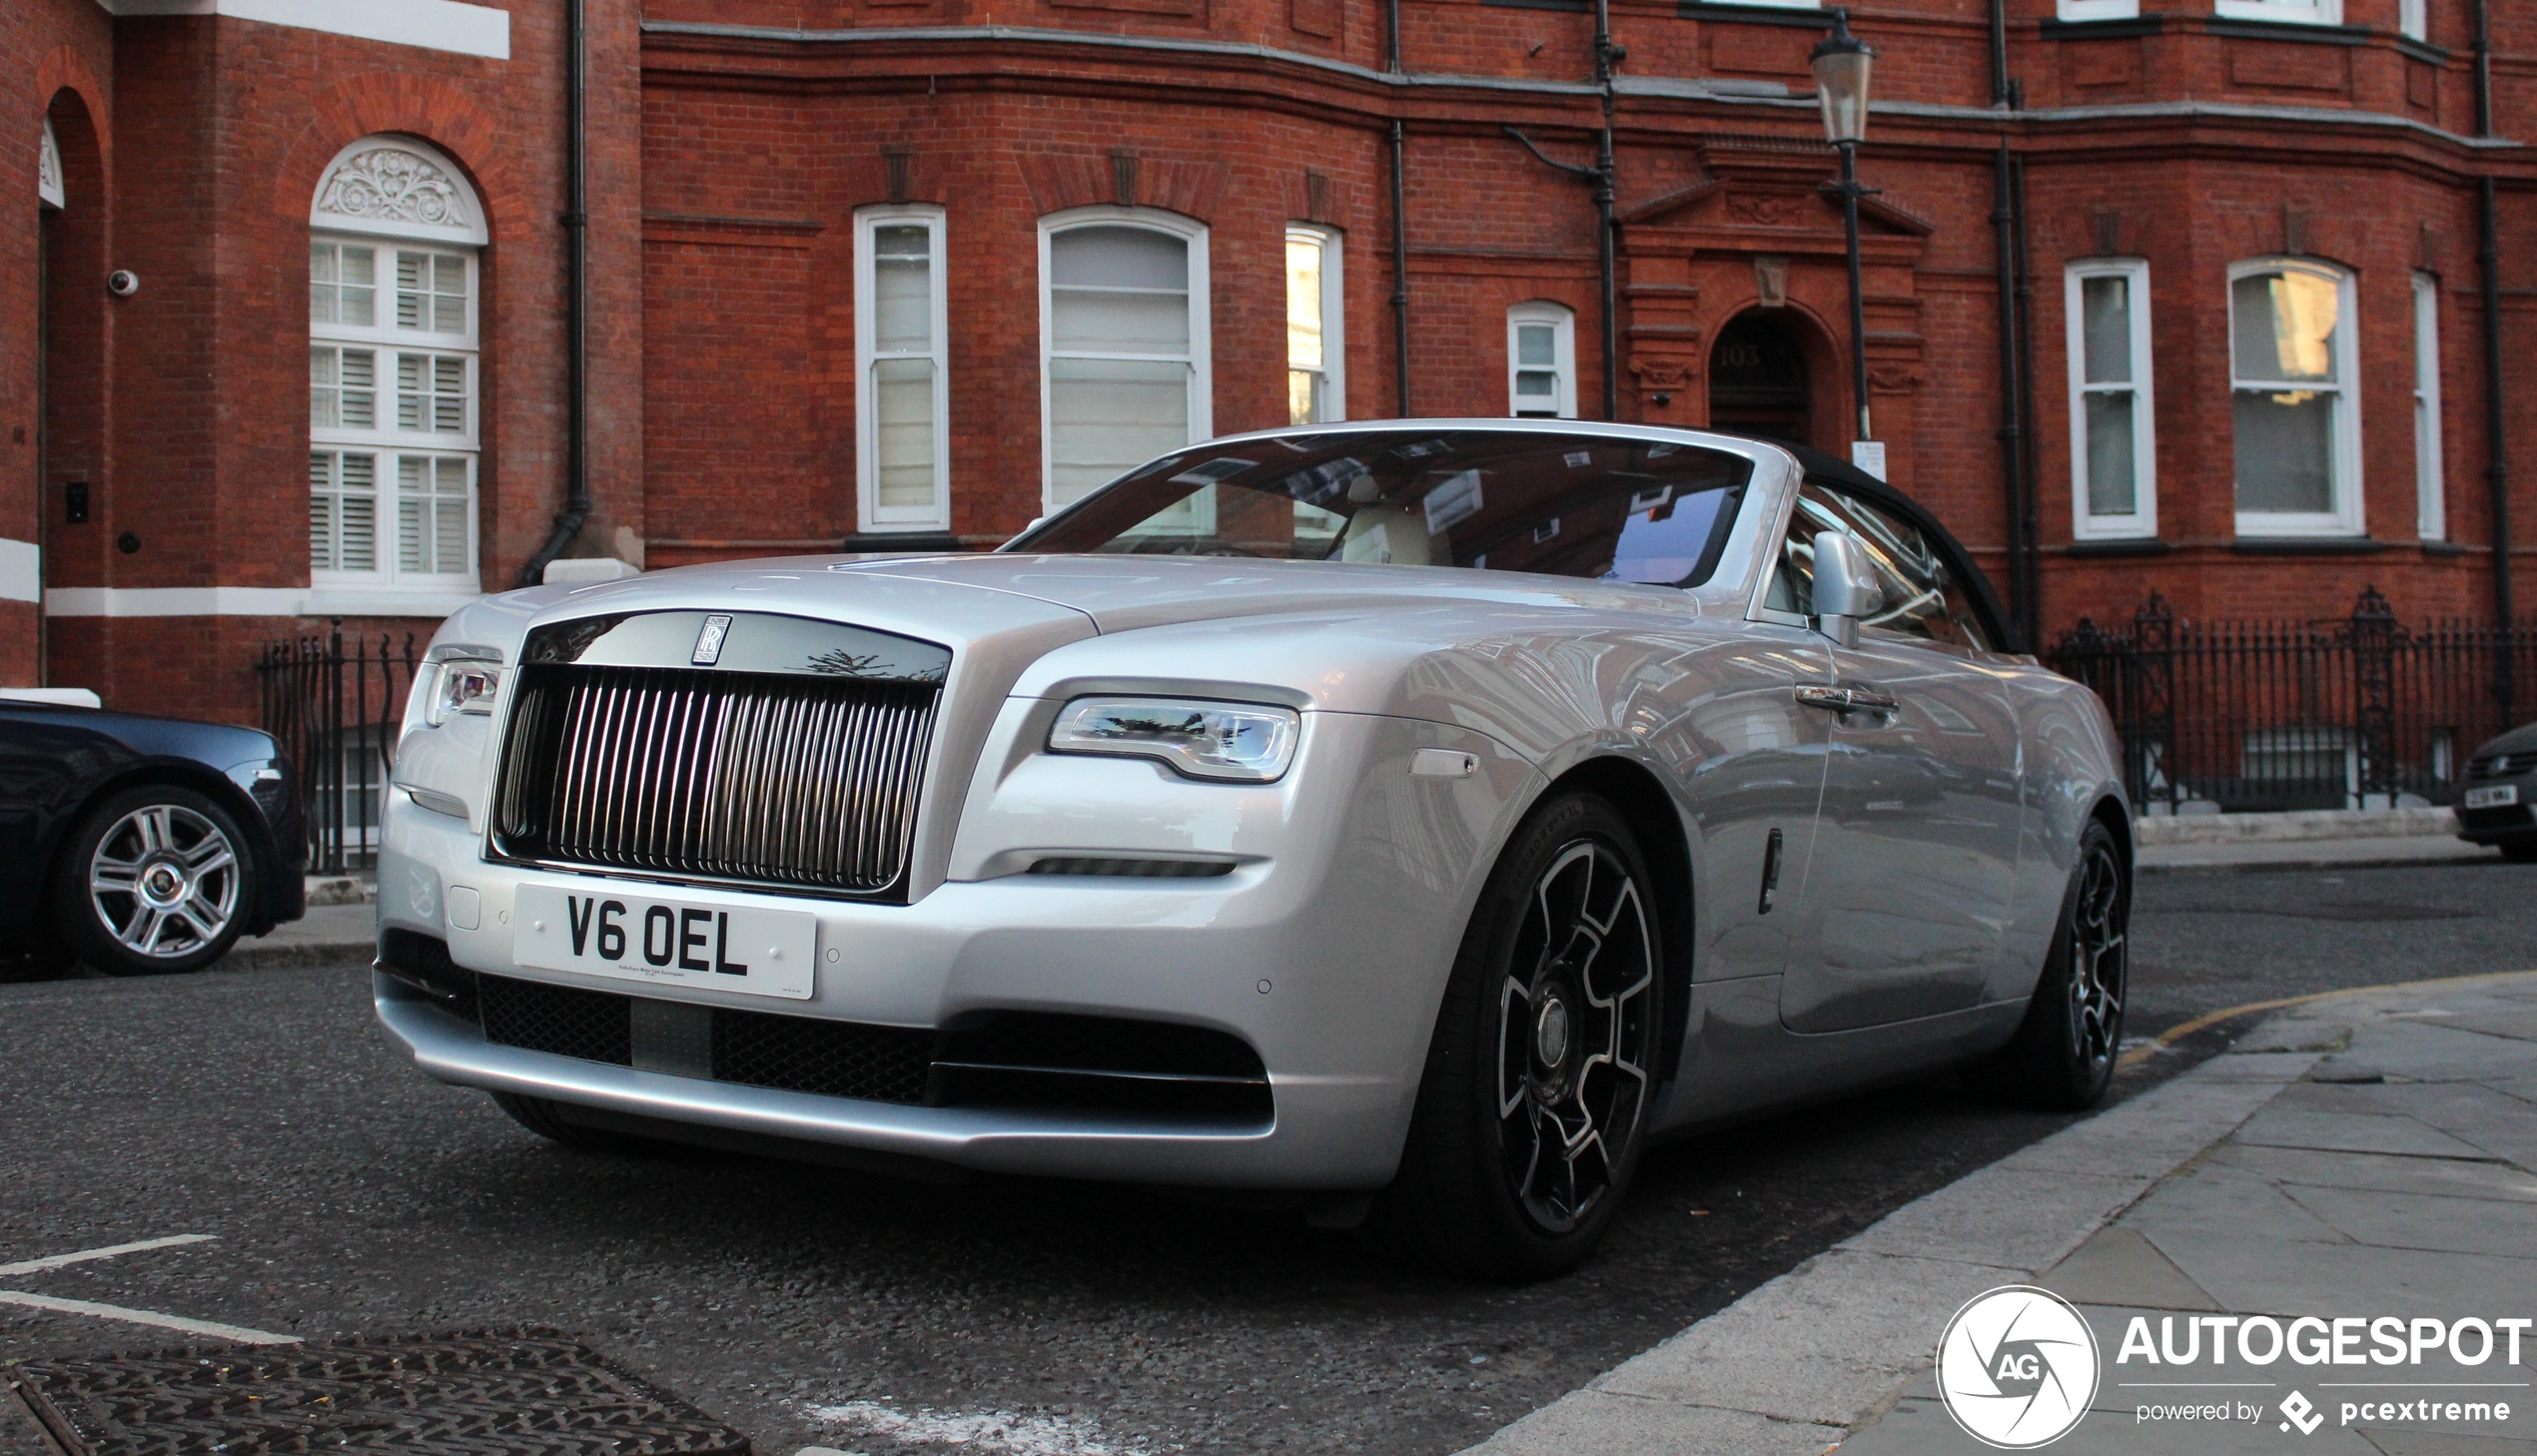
(1413, 817)
(142, 845)
(2495, 807)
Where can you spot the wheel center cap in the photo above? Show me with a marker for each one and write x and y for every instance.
(163, 884)
(1550, 1032)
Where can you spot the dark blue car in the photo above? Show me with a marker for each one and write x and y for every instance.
(142, 845)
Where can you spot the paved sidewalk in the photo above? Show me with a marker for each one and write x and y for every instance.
(2365, 1156)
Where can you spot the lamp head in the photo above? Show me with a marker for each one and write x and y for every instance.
(1841, 63)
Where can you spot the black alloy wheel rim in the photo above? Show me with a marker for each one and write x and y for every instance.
(2100, 961)
(1574, 1031)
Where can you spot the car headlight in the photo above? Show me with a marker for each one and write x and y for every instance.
(1246, 743)
(451, 682)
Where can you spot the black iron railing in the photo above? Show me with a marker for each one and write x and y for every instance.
(2348, 713)
(336, 706)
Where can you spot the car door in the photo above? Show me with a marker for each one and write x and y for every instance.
(1916, 848)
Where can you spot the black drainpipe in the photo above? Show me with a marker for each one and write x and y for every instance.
(1400, 221)
(1998, 52)
(1606, 56)
(577, 224)
(2497, 472)
(2011, 399)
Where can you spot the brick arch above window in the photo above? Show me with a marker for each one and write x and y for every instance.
(397, 187)
(440, 116)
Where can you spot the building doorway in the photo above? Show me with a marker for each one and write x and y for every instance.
(1757, 379)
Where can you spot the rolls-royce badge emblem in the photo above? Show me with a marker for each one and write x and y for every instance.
(709, 641)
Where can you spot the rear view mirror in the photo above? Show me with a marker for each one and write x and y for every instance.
(1846, 585)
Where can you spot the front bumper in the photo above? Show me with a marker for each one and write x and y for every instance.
(1327, 959)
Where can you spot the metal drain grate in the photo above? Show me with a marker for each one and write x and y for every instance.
(483, 1394)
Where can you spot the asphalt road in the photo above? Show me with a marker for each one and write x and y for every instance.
(349, 1195)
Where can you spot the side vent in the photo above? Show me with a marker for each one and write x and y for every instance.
(1134, 868)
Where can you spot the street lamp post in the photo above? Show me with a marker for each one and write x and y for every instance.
(1841, 63)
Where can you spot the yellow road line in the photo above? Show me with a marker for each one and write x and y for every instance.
(2183, 1029)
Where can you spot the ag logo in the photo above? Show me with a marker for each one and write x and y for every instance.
(2016, 1367)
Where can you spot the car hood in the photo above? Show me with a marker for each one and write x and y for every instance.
(2521, 739)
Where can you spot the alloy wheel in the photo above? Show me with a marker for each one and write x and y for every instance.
(164, 881)
(1574, 1035)
(2099, 957)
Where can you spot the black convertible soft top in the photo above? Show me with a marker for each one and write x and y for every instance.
(1830, 469)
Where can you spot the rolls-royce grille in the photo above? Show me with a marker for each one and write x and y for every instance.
(754, 777)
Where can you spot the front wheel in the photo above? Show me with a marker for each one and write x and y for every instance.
(1532, 1111)
(153, 880)
(2063, 1056)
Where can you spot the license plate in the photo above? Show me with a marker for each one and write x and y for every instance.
(607, 932)
(2492, 798)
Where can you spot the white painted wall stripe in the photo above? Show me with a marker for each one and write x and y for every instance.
(205, 1327)
(173, 601)
(21, 571)
(37, 1266)
(435, 25)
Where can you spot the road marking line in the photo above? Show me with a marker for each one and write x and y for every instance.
(37, 1266)
(2183, 1029)
(238, 1332)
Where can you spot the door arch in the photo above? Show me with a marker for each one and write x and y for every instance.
(1758, 379)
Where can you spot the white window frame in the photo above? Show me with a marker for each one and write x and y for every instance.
(2413, 19)
(2097, 9)
(454, 225)
(1202, 332)
(2431, 504)
(2346, 520)
(1333, 315)
(2286, 12)
(1564, 351)
(2084, 524)
(871, 516)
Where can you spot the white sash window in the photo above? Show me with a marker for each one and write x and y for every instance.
(902, 373)
(2113, 443)
(1124, 344)
(1317, 332)
(2431, 504)
(393, 434)
(1541, 361)
(2292, 368)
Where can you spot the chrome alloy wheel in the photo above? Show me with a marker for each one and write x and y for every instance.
(1575, 1037)
(2100, 959)
(164, 881)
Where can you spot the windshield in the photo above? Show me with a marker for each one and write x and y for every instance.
(1558, 504)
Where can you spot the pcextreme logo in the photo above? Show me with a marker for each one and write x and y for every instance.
(2016, 1367)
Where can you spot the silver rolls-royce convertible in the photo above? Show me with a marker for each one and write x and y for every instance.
(1409, 820)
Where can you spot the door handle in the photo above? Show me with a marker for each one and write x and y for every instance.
(1847, 700)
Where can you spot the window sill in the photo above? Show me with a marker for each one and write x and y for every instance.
(2450, 550)
(2309, 547)
(2422, 50)
(2315, 32)
(2104, 546)
(917, 542)
(2109, 29)
(1807, 15)
(360, 601)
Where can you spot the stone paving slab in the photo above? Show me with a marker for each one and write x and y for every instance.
(2276, 1183)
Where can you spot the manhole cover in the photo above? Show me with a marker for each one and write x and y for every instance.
(483, 1394)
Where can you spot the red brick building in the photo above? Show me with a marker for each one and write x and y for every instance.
(873, 270)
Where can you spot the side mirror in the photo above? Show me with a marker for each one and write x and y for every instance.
(1846, 586)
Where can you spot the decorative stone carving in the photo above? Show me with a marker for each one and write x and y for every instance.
(48, 169)
(391, 185)
(1663, 374)
(1770, 280)
(1770, 209)
(1894, 380)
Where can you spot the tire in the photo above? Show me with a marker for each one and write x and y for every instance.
(2063, 1055)
(155, 880)
(547, 1119)
(1532, 1111)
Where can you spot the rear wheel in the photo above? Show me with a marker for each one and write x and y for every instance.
(153, 880)
(1532, 1111)
(2063, 1056)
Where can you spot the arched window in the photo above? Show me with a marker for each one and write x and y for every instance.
(2291, 375)
(393, 437)
(48, 171)
(1122, 343)
(1541, 361)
